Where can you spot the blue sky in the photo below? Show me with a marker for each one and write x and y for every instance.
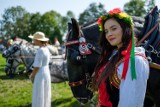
(61, 6)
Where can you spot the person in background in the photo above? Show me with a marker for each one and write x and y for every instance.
(9, 43)
(41, 96)
(56, 42)
(122, 71)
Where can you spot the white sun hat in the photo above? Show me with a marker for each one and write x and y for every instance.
(39, 36)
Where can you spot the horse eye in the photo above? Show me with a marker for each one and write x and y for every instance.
(16, 48)
(9, 61)
(6, 54)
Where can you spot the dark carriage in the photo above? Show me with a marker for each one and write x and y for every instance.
(80, 66)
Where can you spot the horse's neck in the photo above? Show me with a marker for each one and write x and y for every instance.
(91, 32)
(27, 56)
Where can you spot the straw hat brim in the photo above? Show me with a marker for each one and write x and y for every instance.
(40, 39)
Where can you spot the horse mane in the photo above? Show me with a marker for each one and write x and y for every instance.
(138, 23)
(89, 23)
(28, 49)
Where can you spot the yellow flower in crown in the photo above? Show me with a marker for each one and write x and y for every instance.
(114, 13)
(123, 15)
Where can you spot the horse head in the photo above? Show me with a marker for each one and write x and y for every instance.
(82, 52)
(15, 55)
(12, 49)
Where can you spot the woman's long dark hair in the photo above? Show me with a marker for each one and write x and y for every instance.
(107, 50)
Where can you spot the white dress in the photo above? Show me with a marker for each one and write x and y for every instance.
(132, 92)
(41, 96)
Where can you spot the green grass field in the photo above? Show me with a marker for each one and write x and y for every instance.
(17, 92)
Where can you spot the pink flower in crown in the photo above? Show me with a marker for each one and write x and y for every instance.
(115, 11)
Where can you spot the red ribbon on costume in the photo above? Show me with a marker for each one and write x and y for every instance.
(103, 97)
(126, 61)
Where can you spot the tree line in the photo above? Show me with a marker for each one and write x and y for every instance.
(18, 22)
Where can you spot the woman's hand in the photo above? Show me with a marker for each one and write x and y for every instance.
(35, 70)
(31, 77)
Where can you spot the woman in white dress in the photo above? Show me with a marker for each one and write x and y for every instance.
(122, 71)
(41, 74)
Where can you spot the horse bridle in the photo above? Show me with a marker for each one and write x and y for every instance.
(89, 45)
(73, 42)
(12, 57)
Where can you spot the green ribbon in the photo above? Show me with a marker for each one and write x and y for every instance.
(132, 56)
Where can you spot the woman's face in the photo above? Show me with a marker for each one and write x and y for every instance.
(35, 42)
(113, 32)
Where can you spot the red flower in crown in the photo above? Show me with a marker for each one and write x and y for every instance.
(115, 11)
(100, 20)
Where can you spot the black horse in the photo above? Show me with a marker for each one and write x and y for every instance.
(81, 62)
(80, 67)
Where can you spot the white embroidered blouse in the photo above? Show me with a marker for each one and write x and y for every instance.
(132, 92)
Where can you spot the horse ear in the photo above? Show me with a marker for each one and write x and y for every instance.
(69, 26)
(75, 27)
(21, 43)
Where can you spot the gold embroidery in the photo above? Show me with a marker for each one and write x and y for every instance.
(114, 80)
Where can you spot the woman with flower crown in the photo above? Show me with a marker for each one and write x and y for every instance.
(122, 71)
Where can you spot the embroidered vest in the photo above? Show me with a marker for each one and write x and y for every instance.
(114, 80)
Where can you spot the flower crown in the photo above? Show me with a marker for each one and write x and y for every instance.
(114, 13)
